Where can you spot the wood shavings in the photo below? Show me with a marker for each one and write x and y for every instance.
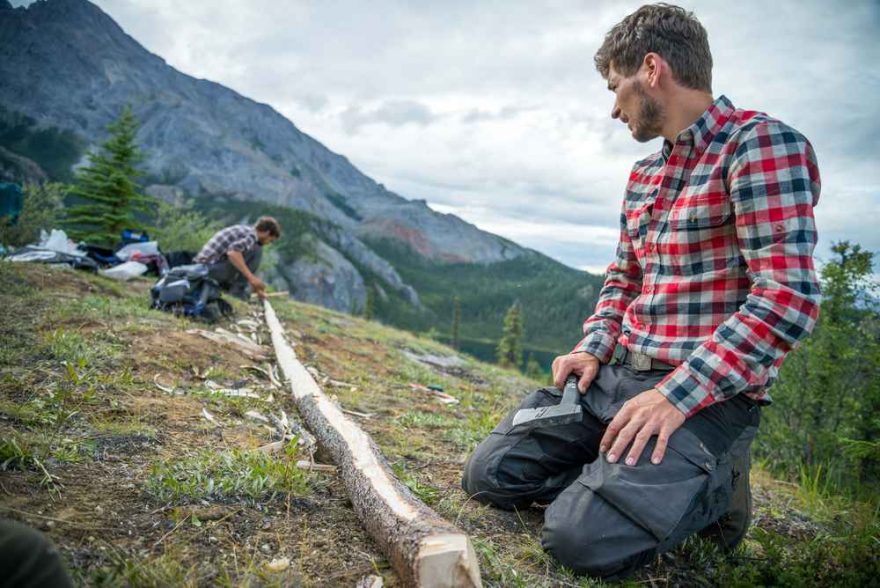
(162, 387)
(210, 418)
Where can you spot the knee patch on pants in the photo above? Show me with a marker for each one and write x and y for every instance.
(690, 483)
(616, 517)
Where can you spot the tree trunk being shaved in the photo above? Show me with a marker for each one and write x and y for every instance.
(424, 549)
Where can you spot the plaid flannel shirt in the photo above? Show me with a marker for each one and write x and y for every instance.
(235, 238)
(714, 270)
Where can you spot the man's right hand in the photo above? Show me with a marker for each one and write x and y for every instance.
(585, 365)
(259, 287)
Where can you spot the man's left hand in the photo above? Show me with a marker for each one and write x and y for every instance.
(639, 419)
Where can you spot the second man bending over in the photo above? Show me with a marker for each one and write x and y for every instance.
(233, 255)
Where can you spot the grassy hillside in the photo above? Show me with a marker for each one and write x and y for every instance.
(119, 447)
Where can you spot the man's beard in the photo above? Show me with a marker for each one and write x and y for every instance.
(649, 123)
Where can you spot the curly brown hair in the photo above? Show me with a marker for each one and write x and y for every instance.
(267, 224)
(670, 31)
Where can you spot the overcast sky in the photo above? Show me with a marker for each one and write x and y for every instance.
(492, 110)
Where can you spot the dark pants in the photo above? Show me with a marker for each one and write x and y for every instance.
(607, 519)
(28, 558)
(232, 280)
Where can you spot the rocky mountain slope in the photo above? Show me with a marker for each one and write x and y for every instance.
(68, 67)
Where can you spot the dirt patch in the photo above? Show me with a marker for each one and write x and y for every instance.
(157, 352)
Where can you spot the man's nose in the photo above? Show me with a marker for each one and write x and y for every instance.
(615, 111)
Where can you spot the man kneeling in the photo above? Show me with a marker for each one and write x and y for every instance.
(712, 285)
(233, 255)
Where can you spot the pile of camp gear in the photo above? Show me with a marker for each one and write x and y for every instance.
(187, 290)
(183, 288)
(55, 248)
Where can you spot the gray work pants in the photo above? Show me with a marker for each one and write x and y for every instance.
(605, 519)
(232, 280)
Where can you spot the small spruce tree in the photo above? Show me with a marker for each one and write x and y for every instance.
(509, 351)
(106, 190)
(370, 303)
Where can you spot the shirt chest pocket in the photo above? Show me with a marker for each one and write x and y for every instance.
(700, 214)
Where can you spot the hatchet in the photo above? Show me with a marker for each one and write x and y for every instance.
(569, 410)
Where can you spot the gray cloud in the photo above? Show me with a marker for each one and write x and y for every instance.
(393, 113)
(508, 112)
(313, 102)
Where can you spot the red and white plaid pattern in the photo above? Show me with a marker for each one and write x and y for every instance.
(235, 238)
(714, 270)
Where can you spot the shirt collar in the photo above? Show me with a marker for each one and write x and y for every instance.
(704, 129)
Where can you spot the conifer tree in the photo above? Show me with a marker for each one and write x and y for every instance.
(107, 193)
(509, 351)
(370, 303)
(456, 322)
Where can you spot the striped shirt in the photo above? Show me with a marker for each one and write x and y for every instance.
(235, 238)
(714, 268)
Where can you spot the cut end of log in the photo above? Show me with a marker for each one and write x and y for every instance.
(446, 561)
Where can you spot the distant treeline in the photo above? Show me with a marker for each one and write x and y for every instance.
(53, 149)
(554, 298)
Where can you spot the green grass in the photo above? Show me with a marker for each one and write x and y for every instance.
(24, 453)
(227, 475)
(70, 347)
(125, 428)
(427, 493)
(16, 453)
(120, 569)
(430, 420)
(24, 412)
(98, 307)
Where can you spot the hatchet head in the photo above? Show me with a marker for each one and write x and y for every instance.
(569, 410)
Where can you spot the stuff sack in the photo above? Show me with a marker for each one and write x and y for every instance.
(187, 290)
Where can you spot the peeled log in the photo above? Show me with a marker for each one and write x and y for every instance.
(423, 549)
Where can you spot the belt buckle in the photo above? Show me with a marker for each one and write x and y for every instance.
(641, 362)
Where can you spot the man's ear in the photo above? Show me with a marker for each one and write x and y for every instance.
(654, 67)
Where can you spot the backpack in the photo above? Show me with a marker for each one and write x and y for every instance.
(187, 290)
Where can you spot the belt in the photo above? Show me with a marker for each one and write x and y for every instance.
(639, 361)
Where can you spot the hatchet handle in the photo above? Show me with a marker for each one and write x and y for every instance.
(570, 393)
